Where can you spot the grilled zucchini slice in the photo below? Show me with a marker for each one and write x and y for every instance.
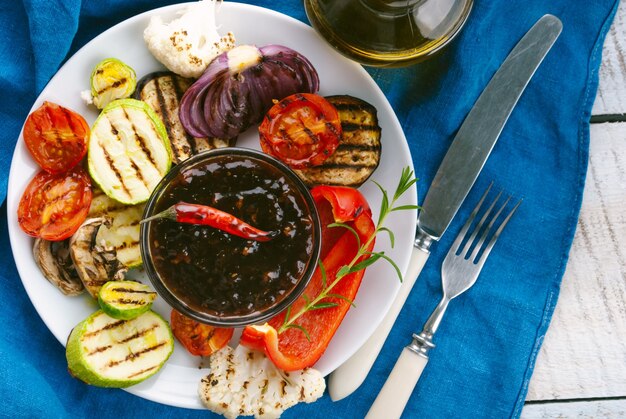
(359, 150)
(107, 352)
(125, 299)
(129, 151)
(162, 91)
(121, 234)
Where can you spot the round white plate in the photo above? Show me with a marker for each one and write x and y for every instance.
(176, 384)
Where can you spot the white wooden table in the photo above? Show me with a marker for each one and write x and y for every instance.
(581, 369)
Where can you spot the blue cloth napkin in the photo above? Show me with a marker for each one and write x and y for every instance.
(489, 339)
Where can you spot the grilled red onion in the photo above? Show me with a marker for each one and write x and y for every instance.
(239, 86)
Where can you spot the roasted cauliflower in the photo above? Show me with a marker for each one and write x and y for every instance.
(187, 44)
(245, 382)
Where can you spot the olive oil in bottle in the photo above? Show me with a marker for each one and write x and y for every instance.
(388, 33)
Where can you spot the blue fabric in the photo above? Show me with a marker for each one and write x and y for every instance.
(488, 342)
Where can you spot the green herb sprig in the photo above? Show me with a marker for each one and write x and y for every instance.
(361, 260)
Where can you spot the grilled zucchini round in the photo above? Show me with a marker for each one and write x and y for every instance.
(125, 299)
(107, 352)
(129, 152)
(111, 79)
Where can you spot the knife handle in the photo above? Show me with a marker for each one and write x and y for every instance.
(349, 376)
(395, 394)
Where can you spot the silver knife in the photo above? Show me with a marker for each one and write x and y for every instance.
(455, 177)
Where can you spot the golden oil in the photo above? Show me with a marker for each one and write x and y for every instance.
(388, 33)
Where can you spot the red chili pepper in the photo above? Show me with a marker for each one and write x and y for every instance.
(291, 350)
(212, 217)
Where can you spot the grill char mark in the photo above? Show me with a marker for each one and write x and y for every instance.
(357, 107)
(95, 283)
(352, 126)
(139, 334)
(179, 91)
(142, 141)
(359, 147)
(139, 174)
(165, 114)
(106, 327)
(111, 164)
(131, 291)
(136, 355)
(126, 245)
(116, 84)
(142, 371)
(127, 339)
(128, 301)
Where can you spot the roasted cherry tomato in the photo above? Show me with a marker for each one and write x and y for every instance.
(56, 137)
(302, 130)
(54, 206)
(198, 338)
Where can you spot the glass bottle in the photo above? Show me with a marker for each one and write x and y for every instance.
(388, 33)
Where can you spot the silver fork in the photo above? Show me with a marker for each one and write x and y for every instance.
(459, 272)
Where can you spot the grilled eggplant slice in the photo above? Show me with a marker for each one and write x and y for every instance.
(94, 264)
(107, 352)
(359, 150)
(162, 91)
(53, 258)
(121, 235)
(129, 152)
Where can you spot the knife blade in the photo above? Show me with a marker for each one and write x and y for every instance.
(454, 179)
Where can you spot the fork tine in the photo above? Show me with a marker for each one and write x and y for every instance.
(479, 226)
(487, 229)
(489, 246)
(459, 238)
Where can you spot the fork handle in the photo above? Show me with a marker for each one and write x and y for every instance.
(399, 386)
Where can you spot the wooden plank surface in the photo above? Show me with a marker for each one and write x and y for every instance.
(581, 369)
(584, 352)
(611, 98)
(590, 409)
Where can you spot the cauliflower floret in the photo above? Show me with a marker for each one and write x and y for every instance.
(245, 382)
(187, 45)
(85, 95)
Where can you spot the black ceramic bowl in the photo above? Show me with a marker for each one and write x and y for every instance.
(218, 278)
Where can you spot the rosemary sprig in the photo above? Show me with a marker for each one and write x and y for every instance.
(361, 260)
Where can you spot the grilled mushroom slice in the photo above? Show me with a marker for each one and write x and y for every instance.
(95, 264)
(53, 258)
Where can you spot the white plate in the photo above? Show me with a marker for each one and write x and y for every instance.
(176, 384)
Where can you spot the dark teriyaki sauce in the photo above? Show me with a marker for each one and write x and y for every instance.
(225, 275)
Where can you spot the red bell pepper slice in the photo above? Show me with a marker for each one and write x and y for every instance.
(347, 203)
(291, 350)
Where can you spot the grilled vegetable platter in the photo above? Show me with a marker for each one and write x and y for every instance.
(145, 96)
